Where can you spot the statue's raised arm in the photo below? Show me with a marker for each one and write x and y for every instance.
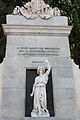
(48, 66)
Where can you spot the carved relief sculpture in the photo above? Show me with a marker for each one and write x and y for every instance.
(36, 8)
(39, 92)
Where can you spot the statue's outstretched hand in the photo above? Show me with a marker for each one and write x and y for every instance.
(31, 94)
(46, 61)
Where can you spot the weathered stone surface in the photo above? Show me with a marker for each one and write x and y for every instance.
(76, 74)
(55, 21)
(63, 83)
(63, 103)
(55, 62)
(71, 113)
(62, 73)
(13, 103)
(66, 93)
(50, 118)
(58, 41)
(1, 80)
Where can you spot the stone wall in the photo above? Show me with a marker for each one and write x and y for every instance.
(76, 74)
(1, 78)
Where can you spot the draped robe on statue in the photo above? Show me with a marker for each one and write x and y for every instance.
(39, 88)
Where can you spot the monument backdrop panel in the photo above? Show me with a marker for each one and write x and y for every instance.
(29, 42)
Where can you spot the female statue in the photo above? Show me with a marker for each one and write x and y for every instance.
(39, 92)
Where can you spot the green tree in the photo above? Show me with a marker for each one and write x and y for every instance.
(75, 36)
(71, 9)
(2, 37)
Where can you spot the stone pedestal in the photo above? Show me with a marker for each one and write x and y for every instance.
(44, 118)
(51, 36)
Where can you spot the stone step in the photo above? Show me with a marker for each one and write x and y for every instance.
(39, 118)
(48, 118)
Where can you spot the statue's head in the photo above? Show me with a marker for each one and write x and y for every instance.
(41, 70)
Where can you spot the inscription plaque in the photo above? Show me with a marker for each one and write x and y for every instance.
(38, 51)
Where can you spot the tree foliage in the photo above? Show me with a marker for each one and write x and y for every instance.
(69, 8)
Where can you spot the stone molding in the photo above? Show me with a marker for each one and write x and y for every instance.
(36, 30)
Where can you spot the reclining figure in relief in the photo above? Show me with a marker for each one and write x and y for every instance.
(39, 92)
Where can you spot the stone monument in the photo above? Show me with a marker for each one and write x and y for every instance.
(36, 32)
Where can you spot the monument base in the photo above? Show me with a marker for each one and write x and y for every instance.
(39, 118)
(45, 114)
(48, 118)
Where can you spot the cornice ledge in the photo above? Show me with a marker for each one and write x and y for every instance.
(36, 30)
